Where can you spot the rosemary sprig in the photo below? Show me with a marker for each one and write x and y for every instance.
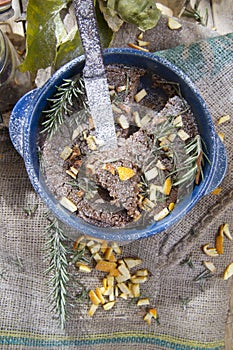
(61, 104)
(195, 13)
(188, 261)
(192, 164)
(57, 255)
(184, 302)
(79, 256)
(2, 274)
(30, 210)
(202, 278)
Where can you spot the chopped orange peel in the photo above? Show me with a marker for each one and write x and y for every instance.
(118, 282)
(221, 135)
(125, 173)
(226, 231)
(137, 47)
(209, 251)
(223, 119)
(105, 266)
(153, 312)
(219, 242)
(216, 191)
(173, 24)
(93, 297)
(228, 271)
(167, 186)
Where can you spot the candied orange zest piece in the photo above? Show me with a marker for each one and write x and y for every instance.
(167, 186)
(216, 191)
(219, 244)
(209, 251)
(105, 266)
(110, 168)
(93, 297)
(228, 271)
(153, 312)
(125, 173)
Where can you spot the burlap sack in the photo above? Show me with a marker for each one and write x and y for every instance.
(191, 315)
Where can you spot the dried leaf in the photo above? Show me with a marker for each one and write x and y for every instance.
(144, 14)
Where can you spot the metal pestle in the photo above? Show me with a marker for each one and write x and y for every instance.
(94, 75)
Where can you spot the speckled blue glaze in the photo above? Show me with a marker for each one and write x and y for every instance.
(24, 127)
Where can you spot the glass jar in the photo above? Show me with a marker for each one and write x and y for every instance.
(13, 83)
(6, 10)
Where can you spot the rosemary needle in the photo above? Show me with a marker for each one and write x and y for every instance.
(61, 103)
(57, 255)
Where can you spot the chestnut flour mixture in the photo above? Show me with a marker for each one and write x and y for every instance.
(157, 161)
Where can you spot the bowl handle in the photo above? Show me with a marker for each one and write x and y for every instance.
(20, 113)
(220, 168)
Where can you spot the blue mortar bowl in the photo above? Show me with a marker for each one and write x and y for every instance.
(25, 119)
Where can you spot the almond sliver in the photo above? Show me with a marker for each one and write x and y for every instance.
(143, 301)
(92, 310)
(140, 95)
(209, 266)
(109, 305)
(147, 318)
(224, 119)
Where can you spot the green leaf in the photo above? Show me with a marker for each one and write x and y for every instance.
(106, 34)
(110, 15)
(143, 13)
(43, 21)
(69, 49)
(72, 47)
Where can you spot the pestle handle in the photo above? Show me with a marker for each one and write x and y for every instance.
(87, 25)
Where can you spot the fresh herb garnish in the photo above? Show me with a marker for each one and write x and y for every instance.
(58, 269)
(60, 105)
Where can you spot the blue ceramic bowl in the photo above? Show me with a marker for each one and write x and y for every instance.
(24, 128)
